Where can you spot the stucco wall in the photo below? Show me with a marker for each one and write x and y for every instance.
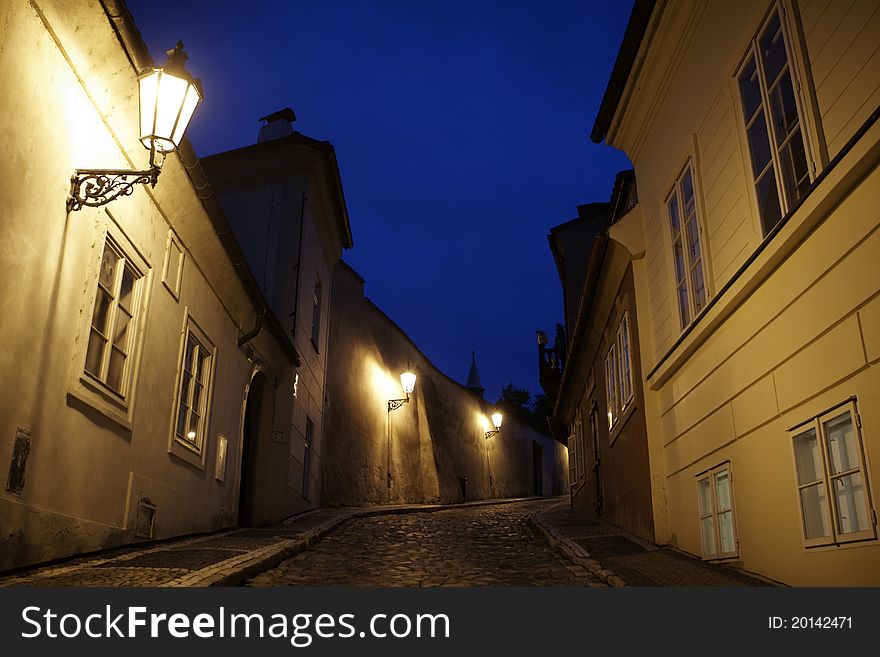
(429, 444)
(70, 100)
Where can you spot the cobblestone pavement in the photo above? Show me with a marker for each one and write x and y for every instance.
(470, 546)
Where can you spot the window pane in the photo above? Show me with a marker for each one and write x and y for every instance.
(108, 267)
(783, 108)
(126, 292)
(722, 491)
(102, 310)
(683, 311)
(806, 456)
(687, 190)
(768, 201)
(707, 525)
(699, 287)
(121, 331)
(704, 496)
(750, 91)
(725, 532)
(188, 356)
(852, 512)
(193, 431)
(794, 169)
(181, 420)
(94, 353)
(759, 144)
(114, 373)
(673, 215)
(678, 254)
(814, 505)
(197, 396)
(772, 49)
(184, 388)
(843, 448)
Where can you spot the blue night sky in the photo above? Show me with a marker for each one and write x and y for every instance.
(462, 134)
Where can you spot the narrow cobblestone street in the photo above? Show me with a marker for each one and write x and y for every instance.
(475, 546)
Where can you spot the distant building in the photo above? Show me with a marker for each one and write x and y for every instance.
(284, 199)
(755, 259)
(473, 380)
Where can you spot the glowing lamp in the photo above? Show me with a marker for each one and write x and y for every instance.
(496, 422)
(408, 383)
(168, 98)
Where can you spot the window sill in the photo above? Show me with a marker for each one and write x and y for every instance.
(184, 452)
(85, 392)
(622, 419)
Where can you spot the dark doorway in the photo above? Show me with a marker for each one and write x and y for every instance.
(257, 425)
(598, 502)
(537, 469)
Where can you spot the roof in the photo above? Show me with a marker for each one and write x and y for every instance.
(473, 379)
(626, 57)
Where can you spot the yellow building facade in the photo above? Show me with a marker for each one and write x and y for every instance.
(753, 131)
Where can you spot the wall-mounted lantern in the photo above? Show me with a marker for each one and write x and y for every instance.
(496, 422)
(168, 98)
(408, 383)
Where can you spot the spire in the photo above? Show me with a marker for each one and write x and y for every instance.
(473, 380)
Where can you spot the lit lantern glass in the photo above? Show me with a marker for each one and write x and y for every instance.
(168, 98)
(496, 420)
(408, 382)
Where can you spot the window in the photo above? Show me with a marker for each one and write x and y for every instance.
(307, 456)
(618, 372)
(190, 424)
(611, 386)
(832, 487)
(316, 314)
(715, 501)
(576, 450)
(774, 128)
(687, 254)
(624, 361)
(113, 326)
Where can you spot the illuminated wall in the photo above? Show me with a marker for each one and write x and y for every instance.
(421, 451)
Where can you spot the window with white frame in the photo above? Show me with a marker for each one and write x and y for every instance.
(833, 491)
(191, 421)
(624, 360)
(611, 385)
(618, 372)
(114, 320)
(715, 503)
(687, 253)
(773, 122)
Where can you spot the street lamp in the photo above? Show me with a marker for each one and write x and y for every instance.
(168, 98)
(408, 383)
(496, 422)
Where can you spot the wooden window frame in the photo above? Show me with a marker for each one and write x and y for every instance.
(826, 476)
(712, 475)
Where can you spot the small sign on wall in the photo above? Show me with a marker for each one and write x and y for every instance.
(18, 465)
(278, 437)
(220, 466)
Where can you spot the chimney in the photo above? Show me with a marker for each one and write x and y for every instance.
(276, 125)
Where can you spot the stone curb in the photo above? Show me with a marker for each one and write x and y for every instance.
(572, 550)
(236, 570)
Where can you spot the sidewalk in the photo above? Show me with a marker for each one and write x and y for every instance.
(225, 558)
(621, 559)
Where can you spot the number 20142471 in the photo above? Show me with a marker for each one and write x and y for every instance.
(810, 623)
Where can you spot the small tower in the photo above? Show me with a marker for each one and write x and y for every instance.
(473, 380)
